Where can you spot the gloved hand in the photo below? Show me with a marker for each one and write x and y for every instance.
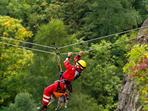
(81, 53)
(69, 54)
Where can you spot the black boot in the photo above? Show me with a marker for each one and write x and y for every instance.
(43, 108)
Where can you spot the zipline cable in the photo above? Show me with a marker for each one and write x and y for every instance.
(87, 51)
(47, 52)
(69, 44)
(102, 37)
(40, 45)
(29, 48)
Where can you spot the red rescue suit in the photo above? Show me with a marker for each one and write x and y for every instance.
(71, 72)
(77, 58)
(57, 86)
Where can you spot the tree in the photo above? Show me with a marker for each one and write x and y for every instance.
(50, 33)
(33, 13)
(14, 60)
(141, 6)
(73, 13)
(82, 102)
(102, 79)
(23, 102)
(3, 7)
(108, 17)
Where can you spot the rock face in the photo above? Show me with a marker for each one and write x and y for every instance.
(128, 95)
(143, 33)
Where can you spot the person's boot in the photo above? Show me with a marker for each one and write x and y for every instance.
(43, 108)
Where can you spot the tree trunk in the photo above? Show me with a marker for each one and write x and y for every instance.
(129, 95)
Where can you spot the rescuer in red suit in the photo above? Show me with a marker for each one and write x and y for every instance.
(58, 86)
(73, 72)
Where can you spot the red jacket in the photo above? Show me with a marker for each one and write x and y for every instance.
(77, 58)
(71, 71)
(57, 86)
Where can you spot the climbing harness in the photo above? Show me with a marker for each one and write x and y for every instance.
(60, 97)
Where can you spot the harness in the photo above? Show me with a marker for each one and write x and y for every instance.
(58, 93)
(58, 87)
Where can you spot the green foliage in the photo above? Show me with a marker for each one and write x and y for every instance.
(33, 13)
(23, 102)
(10, 27)
(82, 102)
(135, 55)
(73, 13)
(101, 80)
(3, 7)
(120, 47)
(110, 16)
(19, 9)
(53, 33)
(13, 60)
(142, 7)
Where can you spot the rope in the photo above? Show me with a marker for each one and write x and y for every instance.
(29, 43)
(102, 37)
(28, 48)
(58, 56)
